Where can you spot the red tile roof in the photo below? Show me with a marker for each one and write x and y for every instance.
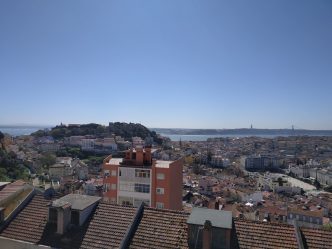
(108, 226)
(161, 229)
(29, 224)
(11, 188)
(157, 228)
(317, 238)
(251, 234)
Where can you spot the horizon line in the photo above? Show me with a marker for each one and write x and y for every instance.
(21, 125)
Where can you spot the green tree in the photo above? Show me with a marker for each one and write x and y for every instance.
(47, 159)
(58, 133)
(3, 175)
(317, 184)
(196, 169)
(328, 227)
(2, 136)
(39, 133)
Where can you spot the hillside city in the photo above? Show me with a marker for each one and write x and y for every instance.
(165, 124)
(87, 173)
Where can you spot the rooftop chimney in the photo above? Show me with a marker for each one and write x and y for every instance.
(71, 209)
(207, 234)
(209, 229)
(64, 217)
(60, 214)
(139, 156)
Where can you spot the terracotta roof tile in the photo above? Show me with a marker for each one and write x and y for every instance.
(317, 238)
(11, 188)
(161, 229)
(251, 234)
(29, 224)
(157, 228)
(108, 226)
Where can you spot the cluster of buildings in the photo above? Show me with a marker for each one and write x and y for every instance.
(90, 143)
(277, 183)
(107, 144)
(157, 199)
(82, 221)
(314, 171)
(261, 163)
(264, 196)
(68, 167)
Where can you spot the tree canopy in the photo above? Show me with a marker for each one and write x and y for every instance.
(125, 130)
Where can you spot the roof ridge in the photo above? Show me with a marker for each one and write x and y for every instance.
(316, 229)
(132, 227)
(263, 222)
(168, 210)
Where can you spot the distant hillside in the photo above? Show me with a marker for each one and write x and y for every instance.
(129, 130)
(125, 130)
(243, 131)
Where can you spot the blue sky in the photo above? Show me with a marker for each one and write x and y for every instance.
(188, 63)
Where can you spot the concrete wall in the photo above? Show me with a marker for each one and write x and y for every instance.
(111, 194)
(176, 182)
(18, 209)
(63, 219)
(165, 184)
(84, 215)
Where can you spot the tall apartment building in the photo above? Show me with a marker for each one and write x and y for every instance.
(262, 163)
(137, 178)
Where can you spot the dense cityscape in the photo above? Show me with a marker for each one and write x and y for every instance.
(271, 183)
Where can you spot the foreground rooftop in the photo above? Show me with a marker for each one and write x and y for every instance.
(77, 201)
(114, 226)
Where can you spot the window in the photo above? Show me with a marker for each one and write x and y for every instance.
(113, 172)
(113, 186)
(106, 187)
(160, 176)
(126, 186)
(142, 173)
(127, 201)
(106, 172)
(142, 188)
(159, 205)
(160, 191)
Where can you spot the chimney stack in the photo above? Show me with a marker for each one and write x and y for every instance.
(209, 229)
(207, 235)
(64, 217)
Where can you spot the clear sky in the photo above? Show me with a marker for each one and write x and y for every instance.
(187, 63)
